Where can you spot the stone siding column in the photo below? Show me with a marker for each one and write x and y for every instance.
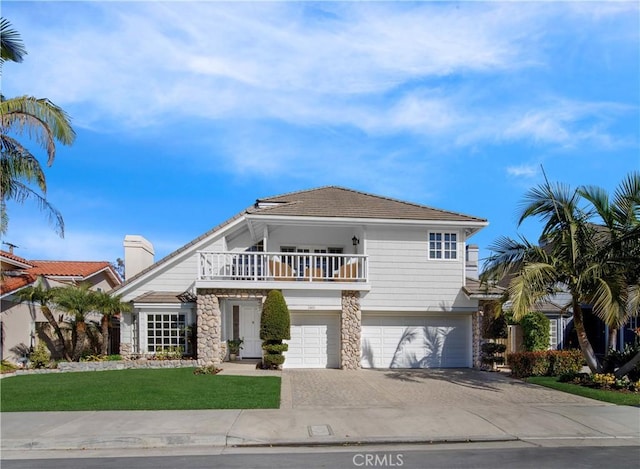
(350, 328)
(476, 326)
(209, 322)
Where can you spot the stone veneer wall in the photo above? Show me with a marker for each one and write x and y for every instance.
(209, 328)
(211, 350)
(476, 325)
(350, 328)
(125, 349)
(124, 365)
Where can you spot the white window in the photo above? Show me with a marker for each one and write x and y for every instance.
(167, 330)
(443, 246)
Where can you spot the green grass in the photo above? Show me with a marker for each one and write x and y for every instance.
(163, 389)
(614, 397)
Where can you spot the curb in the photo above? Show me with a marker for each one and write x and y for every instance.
(194, 441)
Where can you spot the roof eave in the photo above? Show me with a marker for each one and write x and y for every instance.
(477, 224)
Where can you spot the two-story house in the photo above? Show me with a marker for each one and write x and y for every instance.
(370, 281)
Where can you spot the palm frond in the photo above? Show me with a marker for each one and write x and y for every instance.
(40, 119)
(534, 282)
(11, 45)
(609, 302)
(17, 163)
(21, 193)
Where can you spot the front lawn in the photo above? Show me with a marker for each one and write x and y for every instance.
(158, 389)
(614, 397)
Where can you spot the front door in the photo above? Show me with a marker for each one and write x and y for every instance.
(249, 330)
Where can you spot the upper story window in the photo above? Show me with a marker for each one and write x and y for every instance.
(443, 246)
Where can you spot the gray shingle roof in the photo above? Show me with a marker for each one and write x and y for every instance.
(338, 202)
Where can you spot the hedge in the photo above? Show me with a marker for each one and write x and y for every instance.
(545, 363)
(535, 331)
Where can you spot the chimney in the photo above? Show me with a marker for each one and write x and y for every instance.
(471, 263)
(138, 255)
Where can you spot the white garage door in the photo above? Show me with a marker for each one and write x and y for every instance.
(416, 341)
(314, 341)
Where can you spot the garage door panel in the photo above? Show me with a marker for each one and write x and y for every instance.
(314, 341)
(416, 341)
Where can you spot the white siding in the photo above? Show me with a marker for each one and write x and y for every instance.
(403, 278)
(176, 276)
(313, 300)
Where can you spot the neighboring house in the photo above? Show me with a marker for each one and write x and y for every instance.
(370, 281)
(562, 335)
(20, 321)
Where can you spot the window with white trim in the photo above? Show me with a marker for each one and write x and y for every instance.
(167, 330)
(443, 246)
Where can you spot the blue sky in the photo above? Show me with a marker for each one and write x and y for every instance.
(188, 112)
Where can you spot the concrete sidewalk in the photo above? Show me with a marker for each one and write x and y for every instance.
(214, 428)
(338, 407)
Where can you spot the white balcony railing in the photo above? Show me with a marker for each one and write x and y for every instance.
(267, 266)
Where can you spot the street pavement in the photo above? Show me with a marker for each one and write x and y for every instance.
(341, 407)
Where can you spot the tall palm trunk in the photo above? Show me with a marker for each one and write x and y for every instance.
(81, 337)
(627, 367)
(583, 340)
(104, 323)
(613, 335)
(56, 327)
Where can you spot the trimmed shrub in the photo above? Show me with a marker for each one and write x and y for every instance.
(40, 357)
(275, 326)
(535, 331)
(565, 362)
(275, 322)
(273, 360)
(275, 348)
(489, 351)
(545, 363)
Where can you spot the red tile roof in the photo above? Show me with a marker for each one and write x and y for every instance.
(82, 269)
(67, 268)
(13, 257)
(9, 284)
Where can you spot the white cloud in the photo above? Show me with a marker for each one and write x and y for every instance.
(382, 68)
(523, 170)
(145, 61)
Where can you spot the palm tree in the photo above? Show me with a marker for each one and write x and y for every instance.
(573, 256)
(77, 301)
(619, 250)
(109, 306)
(40, 118)
(48, 123)
(44, 297)
(11, 46)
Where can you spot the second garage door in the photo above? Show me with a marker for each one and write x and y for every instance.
(416, 341)
(314, 341)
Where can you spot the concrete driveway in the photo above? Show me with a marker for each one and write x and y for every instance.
(464, 388)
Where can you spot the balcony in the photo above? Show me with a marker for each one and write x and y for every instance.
(281, 270)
